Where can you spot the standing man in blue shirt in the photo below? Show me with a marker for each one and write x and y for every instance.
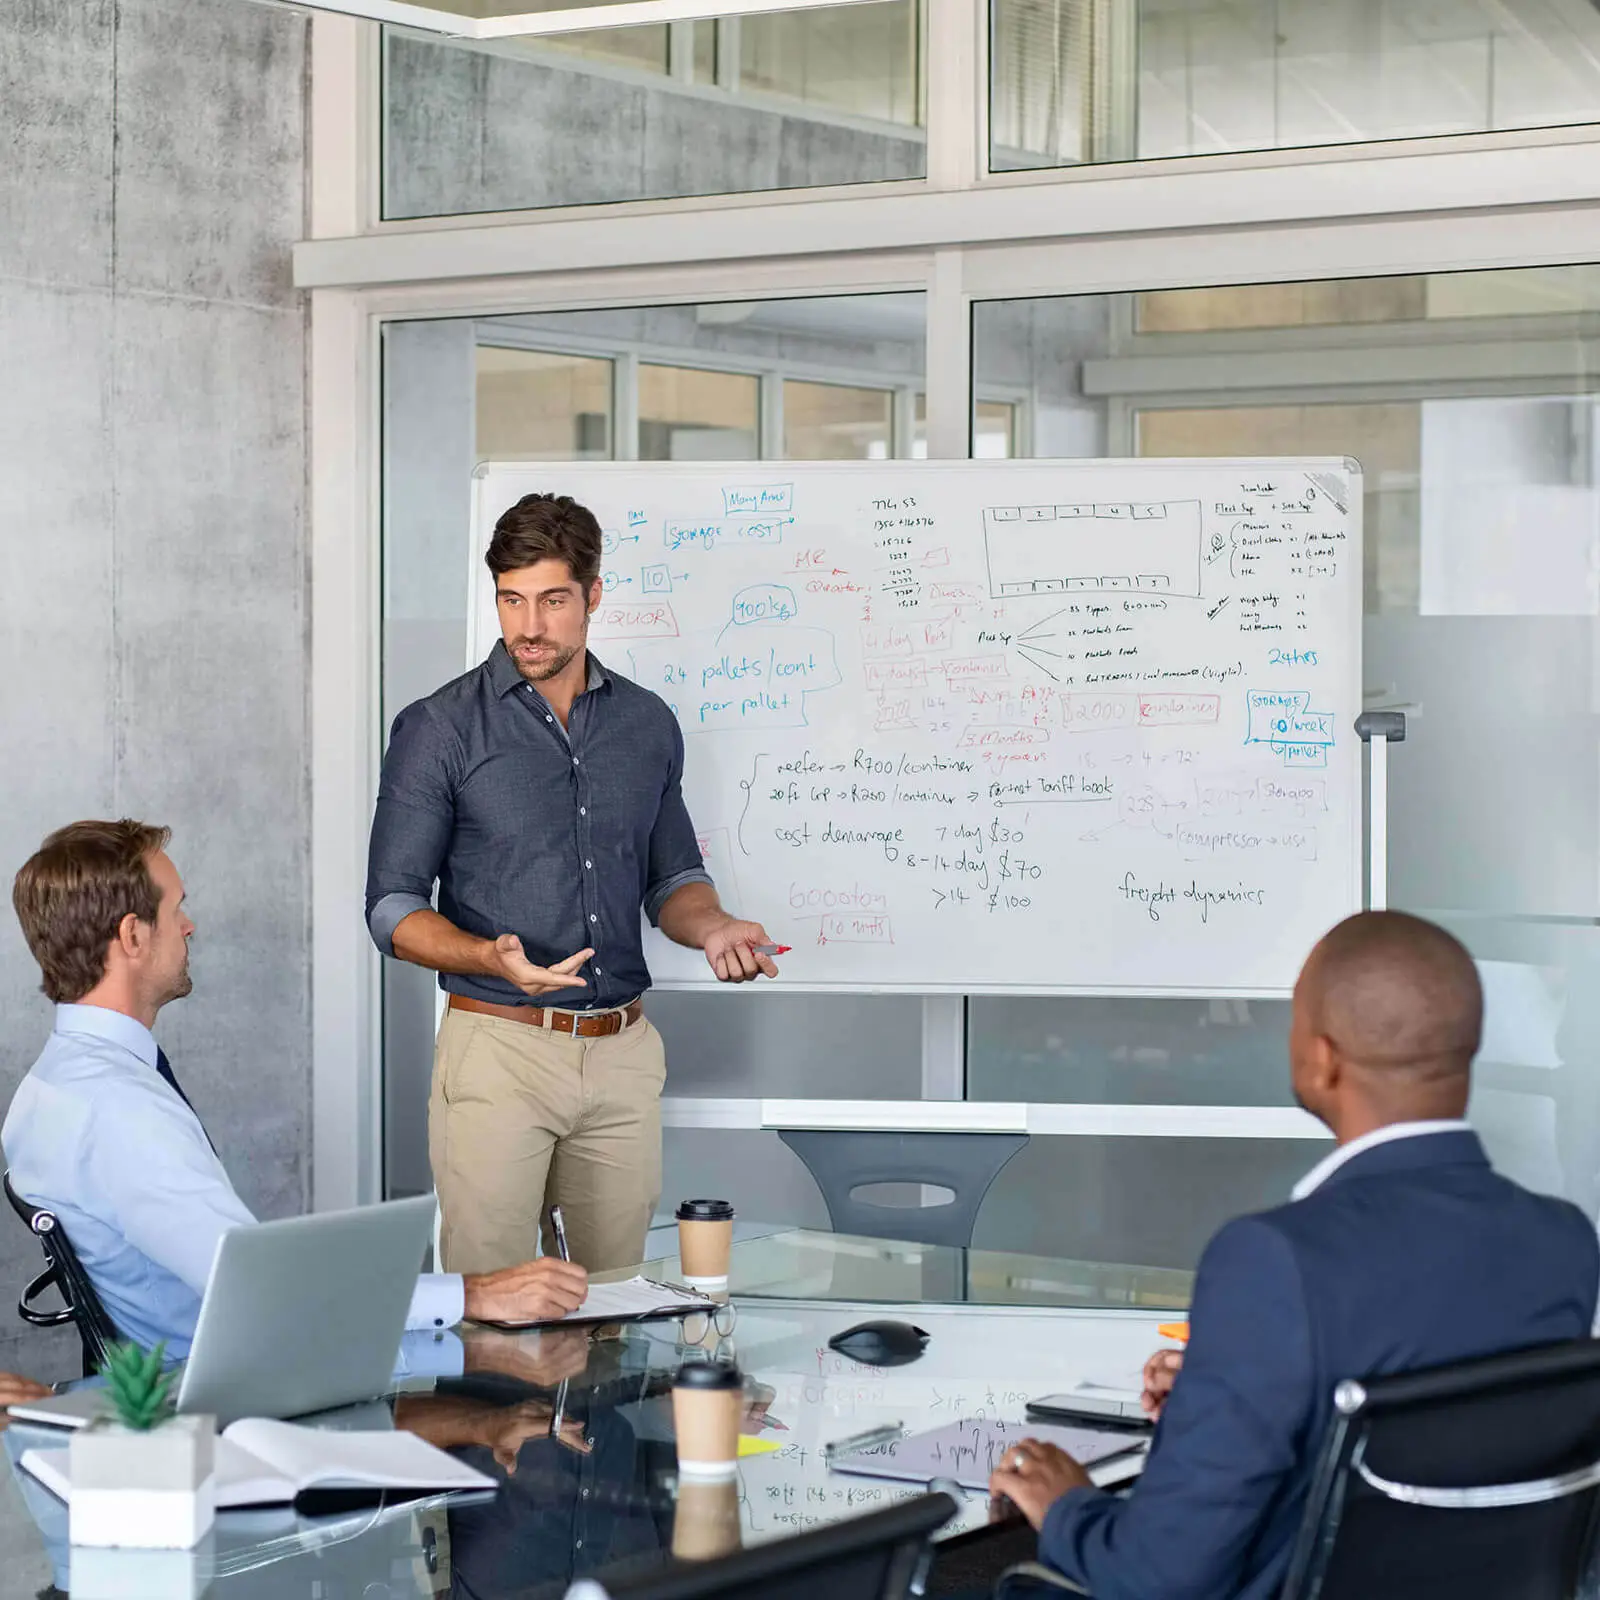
(542, 793)
(100, 1131)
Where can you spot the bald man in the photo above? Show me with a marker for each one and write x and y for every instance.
(1401, 1249)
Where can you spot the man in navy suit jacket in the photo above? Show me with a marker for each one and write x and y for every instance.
(1401, 1250)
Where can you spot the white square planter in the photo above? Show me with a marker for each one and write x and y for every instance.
(101, 1574)
(143, 1491)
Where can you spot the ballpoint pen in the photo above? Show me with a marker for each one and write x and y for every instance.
(558, 1226)
(886, 1434)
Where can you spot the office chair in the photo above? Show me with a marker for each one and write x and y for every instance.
(65, 1273)
(883, 1555)
(843, 1161)
(1480, 1481)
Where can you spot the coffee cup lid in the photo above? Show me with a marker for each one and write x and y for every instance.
(708, 1375)
(705, 1211)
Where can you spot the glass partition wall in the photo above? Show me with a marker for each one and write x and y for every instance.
(1457, 362)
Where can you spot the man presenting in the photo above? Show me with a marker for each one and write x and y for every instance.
(1402, 1249)
(541, 791)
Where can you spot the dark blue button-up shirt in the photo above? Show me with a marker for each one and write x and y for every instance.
(558, 835)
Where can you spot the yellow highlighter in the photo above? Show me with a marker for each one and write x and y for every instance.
(1174, 1330)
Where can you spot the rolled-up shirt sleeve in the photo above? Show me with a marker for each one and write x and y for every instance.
(674, 848)
(413, 823)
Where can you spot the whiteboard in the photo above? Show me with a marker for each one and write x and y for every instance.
(995, 727)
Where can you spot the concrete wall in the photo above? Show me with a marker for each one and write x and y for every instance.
(153, 557)
(478, 130)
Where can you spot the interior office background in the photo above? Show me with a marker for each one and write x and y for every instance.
(156, 450)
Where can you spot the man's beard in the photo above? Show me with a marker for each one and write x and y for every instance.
(540, 671)
(182, 985)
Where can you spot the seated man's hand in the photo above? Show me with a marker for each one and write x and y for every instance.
(542, 1359)
(537, 1291)
(14, 1391)
(1033, 1475)
(1160, 1373)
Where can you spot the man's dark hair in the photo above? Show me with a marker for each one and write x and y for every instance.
(547, 527)
(73, 892)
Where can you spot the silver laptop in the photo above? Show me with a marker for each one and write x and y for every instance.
(301, 1315)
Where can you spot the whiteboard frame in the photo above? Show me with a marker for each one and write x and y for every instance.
(1049, 1118)
(477, 649)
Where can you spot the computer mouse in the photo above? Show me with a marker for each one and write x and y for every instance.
(880, 1344)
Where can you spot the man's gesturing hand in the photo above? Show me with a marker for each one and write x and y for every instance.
(506, 960)
(731, 953)
(537, 1291)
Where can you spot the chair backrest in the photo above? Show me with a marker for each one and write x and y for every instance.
(1480, 1481)
(883, 1555)
(64, 1272)
(843, 1161)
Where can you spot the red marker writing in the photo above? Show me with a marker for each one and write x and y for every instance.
(772, 949)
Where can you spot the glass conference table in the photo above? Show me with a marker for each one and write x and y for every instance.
(602, 1496)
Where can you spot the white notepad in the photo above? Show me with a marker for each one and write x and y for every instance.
(632, 1300)
(970, 1450)
(262, 1463)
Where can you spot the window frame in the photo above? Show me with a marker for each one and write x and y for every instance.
(960, 237)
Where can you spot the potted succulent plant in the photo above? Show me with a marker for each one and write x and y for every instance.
(142, 1477)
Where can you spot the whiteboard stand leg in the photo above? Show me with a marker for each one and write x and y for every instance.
(1378, 729)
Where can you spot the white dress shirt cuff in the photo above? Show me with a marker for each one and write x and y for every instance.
(430, 1353)
(438, 1302)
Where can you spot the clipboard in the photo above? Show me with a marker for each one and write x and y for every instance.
(636, 1299)
(970, 1450)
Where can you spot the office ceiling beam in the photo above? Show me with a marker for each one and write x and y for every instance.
(506, 19)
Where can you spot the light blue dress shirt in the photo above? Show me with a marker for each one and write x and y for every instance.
(98, 1136)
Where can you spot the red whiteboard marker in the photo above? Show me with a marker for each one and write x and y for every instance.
(772, 949)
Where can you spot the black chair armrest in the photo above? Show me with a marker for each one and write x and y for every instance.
(1485, 1497)
(1028, 1577)
(30, 1313)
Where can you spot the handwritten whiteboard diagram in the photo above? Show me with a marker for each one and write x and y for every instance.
(1020, 727)
(1055, 549)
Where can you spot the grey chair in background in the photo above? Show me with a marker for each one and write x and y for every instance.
(846, 1161)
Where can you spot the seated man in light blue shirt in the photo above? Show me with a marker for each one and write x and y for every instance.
(99, 1130)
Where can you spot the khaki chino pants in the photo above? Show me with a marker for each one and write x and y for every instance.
(523, 1118)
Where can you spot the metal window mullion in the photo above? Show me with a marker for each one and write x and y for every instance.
(625, 407)
(903, 427)
(958, 54)
(949, 432)
(770, 447)
(680, 51)
(727, 54)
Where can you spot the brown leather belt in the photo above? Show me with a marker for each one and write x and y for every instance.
(582, 1024)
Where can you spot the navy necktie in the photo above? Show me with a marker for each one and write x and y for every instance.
(164, 1067)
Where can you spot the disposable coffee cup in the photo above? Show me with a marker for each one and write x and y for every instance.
(705, 1237)
(705, 1520)
(707, 1405)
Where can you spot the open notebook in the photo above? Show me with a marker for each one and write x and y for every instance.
(633, 1300)
(265, 1463)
